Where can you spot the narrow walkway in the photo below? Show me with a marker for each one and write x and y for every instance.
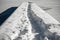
(37, 24)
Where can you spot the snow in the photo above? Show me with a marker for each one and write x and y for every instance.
(48, 19)
(44, 15)
(29, 22)
(12, 22)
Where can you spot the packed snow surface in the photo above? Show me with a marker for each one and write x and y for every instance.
(30, 22)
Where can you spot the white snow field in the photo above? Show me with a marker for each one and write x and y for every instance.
(30, 22)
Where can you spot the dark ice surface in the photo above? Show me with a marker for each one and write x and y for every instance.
(4, 15)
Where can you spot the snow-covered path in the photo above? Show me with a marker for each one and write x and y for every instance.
(29, 22)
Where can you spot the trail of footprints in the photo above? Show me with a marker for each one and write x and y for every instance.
(20, 30)
(22, 27)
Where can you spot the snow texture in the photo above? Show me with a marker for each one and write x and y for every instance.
(30, 22)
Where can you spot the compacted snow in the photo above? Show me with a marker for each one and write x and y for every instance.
(30, 22)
